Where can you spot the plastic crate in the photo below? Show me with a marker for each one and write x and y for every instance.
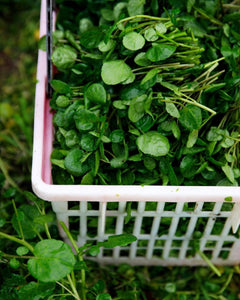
(194, 208)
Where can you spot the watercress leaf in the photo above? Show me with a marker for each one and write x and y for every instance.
(135, 7)
(70, 37)
(92, 38)
(88, 142)
(96, 93)
(160, 52)
(62, 101)
(145, 123)
(117, 136)
(130, 79)
(117, 10)
(228, 171)
(153, 143)
(117, 162)
(175, 129)
(119, 240)
(104, 296)
(73, 163)
(192, 138)
(36, 290)
(227, 142)
(215, 134)
(61, 87)
(42, 43)
(191, 117)
(150, 35)
(187, 166)
(85, 25)
(133, 41)
(172, 110)
(88, 179)
(71, 138)
(94, 250)
(115, 72)
(14, 263)
(128, 178)
(142, 60)
(53, 260)
(149, 76)
(160, 28)
(64, 57)
(107, 14)
(105, 47)
(136, 109)
(85, 120)
(2, 222)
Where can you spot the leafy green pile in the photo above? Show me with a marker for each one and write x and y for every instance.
(139, 100)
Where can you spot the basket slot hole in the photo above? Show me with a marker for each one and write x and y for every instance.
(218, 226)
(208, 206)
(227, 206)
(92, 226)
(228, 244)
(73, 205)
(107, 252)
(165, 224)
(170, 206)
(124, 253)
(151, 206)
(159, 243)
(74, 226)
(141, 252)
(210, 244)
(174, 253)
(129, 226)
(201, 224)
(110, 225)
(189, 206)
(182, 227)
(176, 243)
(112, 206)
(158, 253)
(208, 253)
(224, 254)
(147, 224)
(93, 205)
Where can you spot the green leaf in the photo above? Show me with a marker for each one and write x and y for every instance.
(73, 163)
(172, 110)
(64, 57)
(228, 171)
(36, 290)
(2, 222)
(153, 143)
(61, 87)
(88, 142)
(53, 260)
(91, 38)
(115, 72)
(192, 138)
(215, 134)
(175, 129)
(160, 52)
(104, 296)
(105, 47)
(117, 136)
(187, 166)
(96, 93)
(150, 75)
(136, 109)
(142, 60)
(150, 35)
(133, 41)
(22, 251)
(85, 120)
(191, 117)
(14, 263)
(62, 101)
(120, 240)
(135, 7)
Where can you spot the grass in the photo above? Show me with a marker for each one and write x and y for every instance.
(18, 56)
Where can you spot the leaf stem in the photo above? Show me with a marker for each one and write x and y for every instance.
(73, 287)
(210, 264)
(14, 239)
(65, 288)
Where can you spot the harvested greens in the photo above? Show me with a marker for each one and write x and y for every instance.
(147, 92)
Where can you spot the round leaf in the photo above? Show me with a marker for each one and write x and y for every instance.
(85, 120)
(191, 117)
(160, 52)
(64, 57)
(150, 35)
(22, 250)
(53, 261)
(133, 41)
(73, 163)
(96, 93)
(115, 72)
(153, 143)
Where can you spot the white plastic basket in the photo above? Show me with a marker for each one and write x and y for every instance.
(198, 208)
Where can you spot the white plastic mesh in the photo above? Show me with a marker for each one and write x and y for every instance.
(168, 233)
